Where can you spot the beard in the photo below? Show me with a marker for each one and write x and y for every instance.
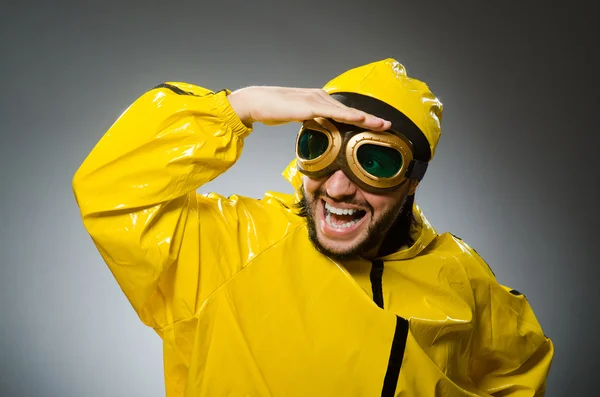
(376, 232)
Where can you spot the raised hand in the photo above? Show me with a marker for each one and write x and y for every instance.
(280, 105)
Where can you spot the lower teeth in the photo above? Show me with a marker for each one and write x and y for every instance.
(341, 225)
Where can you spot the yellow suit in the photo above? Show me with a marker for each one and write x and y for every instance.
(247, 307)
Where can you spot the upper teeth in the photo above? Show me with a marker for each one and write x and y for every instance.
(339, 211)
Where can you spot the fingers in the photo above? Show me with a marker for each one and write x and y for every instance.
(344, 114)
(279, 105)
(355, 117)
(372, 122)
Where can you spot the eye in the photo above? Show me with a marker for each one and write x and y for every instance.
(379, 161)
(372, 163)
(312, 144)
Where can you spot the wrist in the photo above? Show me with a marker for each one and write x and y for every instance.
(240, 103)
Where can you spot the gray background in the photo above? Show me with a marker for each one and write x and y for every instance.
(513, 176)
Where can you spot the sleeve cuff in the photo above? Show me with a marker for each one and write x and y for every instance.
(230, 117)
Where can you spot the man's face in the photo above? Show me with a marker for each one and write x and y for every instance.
(344, 220)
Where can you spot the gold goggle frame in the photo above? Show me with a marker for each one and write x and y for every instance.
(331, 160)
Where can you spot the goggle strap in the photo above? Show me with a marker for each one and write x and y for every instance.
(416, 169)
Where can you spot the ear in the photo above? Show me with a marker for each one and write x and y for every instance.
(412, 187)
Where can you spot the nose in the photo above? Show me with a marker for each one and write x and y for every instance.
(338, 186)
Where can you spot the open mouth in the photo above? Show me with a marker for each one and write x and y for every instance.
(342, 218)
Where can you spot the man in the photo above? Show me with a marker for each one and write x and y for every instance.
(341, 290)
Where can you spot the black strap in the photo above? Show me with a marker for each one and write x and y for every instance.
(377, 282)
(416, 170)
(396, 355)
(175, 89)
(400, 122)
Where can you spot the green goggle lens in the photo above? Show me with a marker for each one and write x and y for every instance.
(312, 144)
(379, 161)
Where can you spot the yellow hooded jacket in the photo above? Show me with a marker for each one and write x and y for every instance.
(247, 307)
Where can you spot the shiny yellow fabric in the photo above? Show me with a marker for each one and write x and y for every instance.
(246, 306)
(387, 81)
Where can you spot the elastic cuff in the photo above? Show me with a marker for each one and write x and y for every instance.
(230, 116)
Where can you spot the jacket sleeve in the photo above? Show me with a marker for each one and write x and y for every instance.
(511, 354)
(167, 246)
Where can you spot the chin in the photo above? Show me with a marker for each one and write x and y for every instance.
(338, 250)
(340, 247)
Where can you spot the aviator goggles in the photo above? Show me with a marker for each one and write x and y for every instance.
(375, 161)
